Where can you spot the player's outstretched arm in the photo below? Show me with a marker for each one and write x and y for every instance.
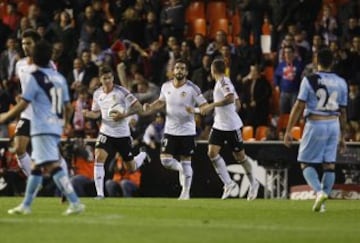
(91, 114)
(16, 110)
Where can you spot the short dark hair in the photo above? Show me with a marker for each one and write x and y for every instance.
(105, 69)
(325, 58)
(182, 60)
(42, 53)
(219, 65)
(32, 34)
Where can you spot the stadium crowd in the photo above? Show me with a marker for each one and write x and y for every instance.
(268, 47)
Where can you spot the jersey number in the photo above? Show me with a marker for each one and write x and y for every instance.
(326, 102)
(56, 101)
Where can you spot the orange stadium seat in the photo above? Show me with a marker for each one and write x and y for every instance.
(282, 122)
(296, 132)
(215, 10)
(194, 11)
(215, 26)
(248, 133)
(261, 133)
(197, 26)
(235, 24)
(11, 129)
(3, 7)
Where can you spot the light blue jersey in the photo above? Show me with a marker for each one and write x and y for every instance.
(324, 93)
(48, 92)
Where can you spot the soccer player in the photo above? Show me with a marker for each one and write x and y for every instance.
(179, 134)
(114, 135)
(23, 69)
(47, 90)
(323, 95)
(227, 128)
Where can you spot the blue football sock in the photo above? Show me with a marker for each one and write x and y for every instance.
(327, 181)
(33, 184)
(63, 183)
(312, 178)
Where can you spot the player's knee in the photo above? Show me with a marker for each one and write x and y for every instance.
(305, 165)
(212, 154)
(166, 162)
(20, 150)
(329, 167)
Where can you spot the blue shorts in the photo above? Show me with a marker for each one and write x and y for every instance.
(319, 141)
(45, 148)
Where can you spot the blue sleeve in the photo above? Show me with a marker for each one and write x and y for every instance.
(304, 90)
(30, 90)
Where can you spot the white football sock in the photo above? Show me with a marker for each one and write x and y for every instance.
(99, 174)
(24, 162)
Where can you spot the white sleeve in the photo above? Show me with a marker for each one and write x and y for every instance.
(149, 132)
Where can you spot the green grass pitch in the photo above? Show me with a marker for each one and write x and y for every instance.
(169, 220)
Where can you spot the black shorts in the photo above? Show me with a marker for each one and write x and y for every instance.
(178, 145)
(232, 138)
(23, 128)
(112, 145)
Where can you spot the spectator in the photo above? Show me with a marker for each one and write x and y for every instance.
(65, 33)
(256, 98)
(83, 168)
(152, 31)
(202, 77)
(11, 172)
(351, 30)
(131, 27)
(155, 131)
(12, 16)
(328, 26)
(287, 79)
(124, 182)
(213, 49)
(172, 20)
(8, 58)
(61, 58)
(198, 51)
(145, 91)
(81, 103)
(6, 100)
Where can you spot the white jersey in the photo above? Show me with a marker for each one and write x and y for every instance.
(226, 117)
(103, 102)
(178, 121)
(23, 69)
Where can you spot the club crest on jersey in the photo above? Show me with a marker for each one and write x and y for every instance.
(183, 94)
(114, 98)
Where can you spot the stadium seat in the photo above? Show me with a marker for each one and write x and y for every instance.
(215, 26)
(11, 129)
(248, 133)
(296, 132)
(2, 9)
(235, 24)
(215, 10)
(275, 101)
(194, 11)
(261, 133)
(282, 122)
(198, 26)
